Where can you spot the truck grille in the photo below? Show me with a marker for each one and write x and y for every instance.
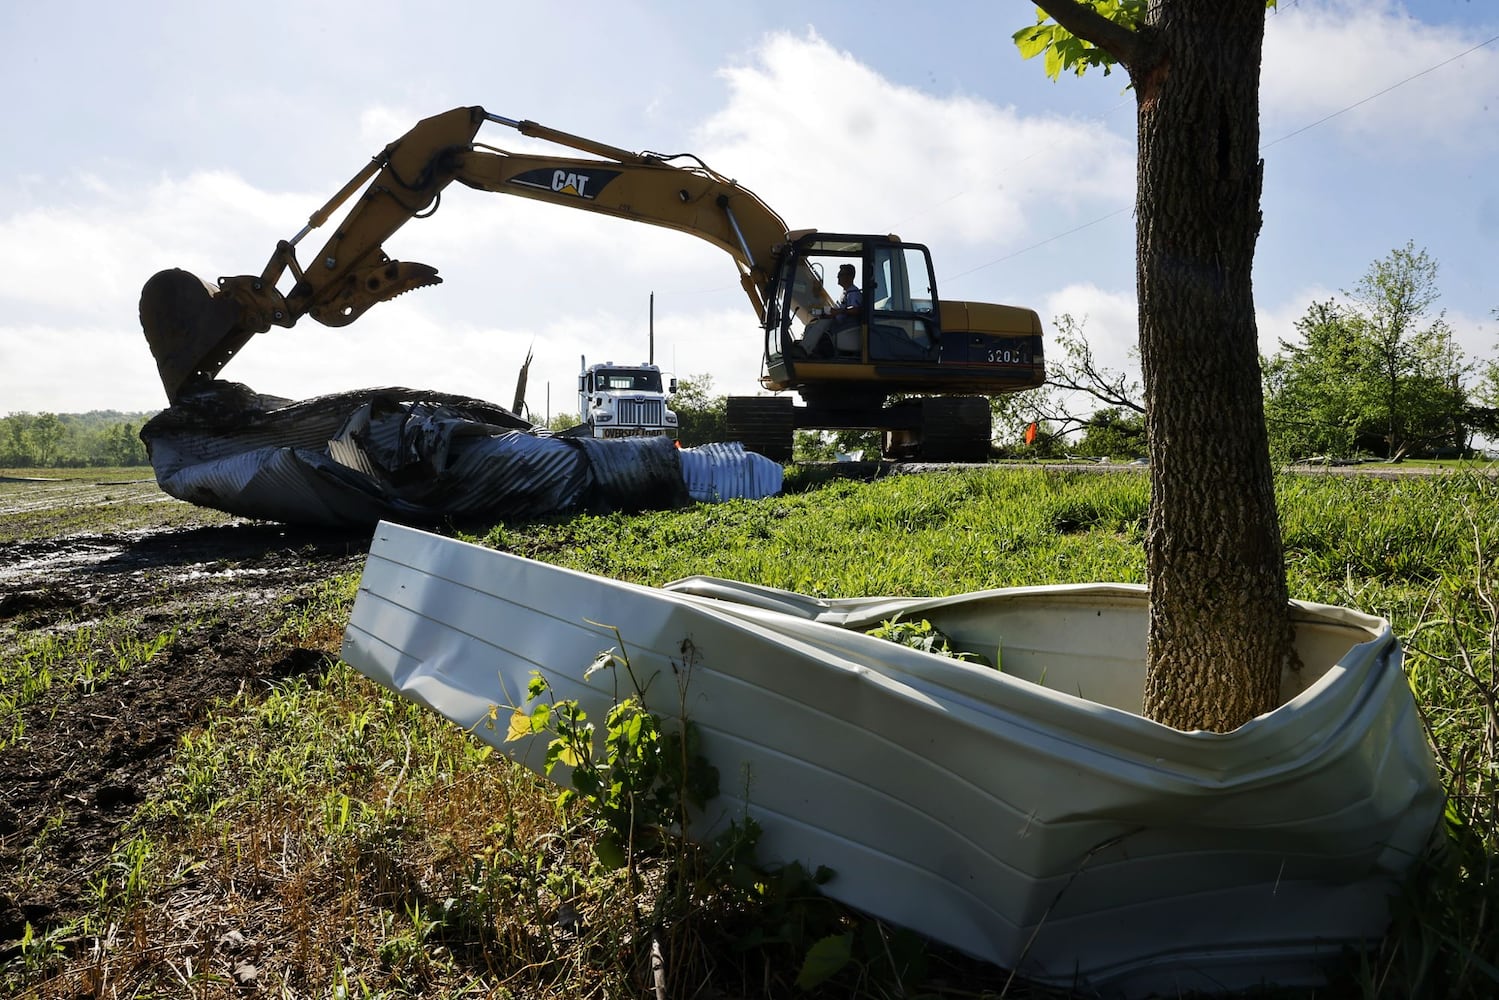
(649, 412)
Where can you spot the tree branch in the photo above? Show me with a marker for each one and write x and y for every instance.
(1088, 24)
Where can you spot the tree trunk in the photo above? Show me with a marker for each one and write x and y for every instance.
(1220, 632)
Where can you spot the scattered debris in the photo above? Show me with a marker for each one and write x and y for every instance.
(418, 457)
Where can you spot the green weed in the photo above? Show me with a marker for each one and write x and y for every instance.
(82, 656)
(922, 635)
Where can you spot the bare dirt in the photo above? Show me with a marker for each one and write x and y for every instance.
(77, 551)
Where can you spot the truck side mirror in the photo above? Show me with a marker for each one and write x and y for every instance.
(671, 386)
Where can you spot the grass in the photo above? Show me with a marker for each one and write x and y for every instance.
(931, 534)
(84, 657)
(344, 842)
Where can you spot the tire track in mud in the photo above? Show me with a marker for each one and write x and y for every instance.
(25, 495)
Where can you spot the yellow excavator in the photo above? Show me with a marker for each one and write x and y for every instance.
(936, 359)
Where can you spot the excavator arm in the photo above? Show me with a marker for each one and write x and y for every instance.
(194, 329)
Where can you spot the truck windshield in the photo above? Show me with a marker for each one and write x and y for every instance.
(629, 380)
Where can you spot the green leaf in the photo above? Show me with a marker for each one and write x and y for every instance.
(1034, 40)
(1054, 61)
(825, 959)
(522, 724)
(569, 755)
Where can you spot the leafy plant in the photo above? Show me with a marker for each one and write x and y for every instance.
(638, 788)
(922, 635)
(1064, 50)
(644, 782)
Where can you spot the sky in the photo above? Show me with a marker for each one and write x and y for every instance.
(159, 134)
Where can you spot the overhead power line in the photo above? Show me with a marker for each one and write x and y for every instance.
(1393, 86)
(1049, 239)
(1263, 147)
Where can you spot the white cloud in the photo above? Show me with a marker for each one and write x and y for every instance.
(1478, 336)
(74, 369)
(829, 143)
(1335, 57)
(1109, 320)
(87, 257)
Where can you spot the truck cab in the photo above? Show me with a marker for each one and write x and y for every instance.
(625, 400)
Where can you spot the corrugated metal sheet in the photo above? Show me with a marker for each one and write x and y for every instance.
(725, 471)
(1028, 816)
(398, 454)
(637, 473)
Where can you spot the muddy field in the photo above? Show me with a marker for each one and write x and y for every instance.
(77, 551)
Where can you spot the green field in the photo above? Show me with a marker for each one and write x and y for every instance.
(367, 848)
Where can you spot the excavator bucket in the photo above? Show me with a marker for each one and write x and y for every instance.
(192, 329)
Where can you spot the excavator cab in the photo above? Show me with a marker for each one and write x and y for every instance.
(862, 370)
(896, 319)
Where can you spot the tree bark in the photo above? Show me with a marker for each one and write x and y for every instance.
(1220, 632)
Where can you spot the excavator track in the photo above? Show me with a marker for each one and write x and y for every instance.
(955, 429)
(942, 429)
(763, 424)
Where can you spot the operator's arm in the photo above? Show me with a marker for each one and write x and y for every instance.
(851, 301)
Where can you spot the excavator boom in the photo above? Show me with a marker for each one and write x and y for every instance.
(194, 329)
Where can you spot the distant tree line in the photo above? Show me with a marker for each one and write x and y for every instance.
(1375, 374)
(99, 438)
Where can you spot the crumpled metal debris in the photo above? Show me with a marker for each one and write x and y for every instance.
(1028, 816)
(418, 457)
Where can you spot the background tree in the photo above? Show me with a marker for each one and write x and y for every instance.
(826, 446)
(46, 435)
(116, 444)
(1411, 364)
(701, 415)
(1112, 433)
(560, 422)
(1373, 374)
(1080, 375)
(1311, 408)
(1487, 392)
(1077, 387)
(71, 440)
(1483, 413)
(1219, 628)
